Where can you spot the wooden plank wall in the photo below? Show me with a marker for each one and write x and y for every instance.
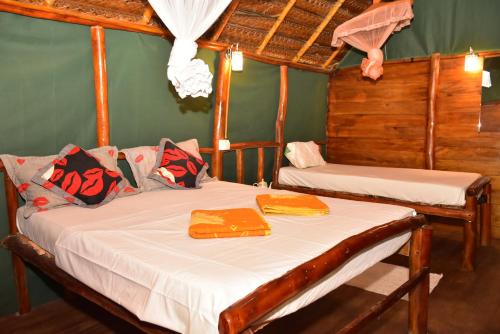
(373, 123)
(383, 123)
(459, 145)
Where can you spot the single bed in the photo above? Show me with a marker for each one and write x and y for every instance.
(134, 257)
(432, 192)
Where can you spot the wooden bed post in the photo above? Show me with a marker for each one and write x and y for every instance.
(280, 123)
(221, 111)
(485, 211)
(101, 85)
(430, 135)
(470, 234)
(420, 248)
(17, 263)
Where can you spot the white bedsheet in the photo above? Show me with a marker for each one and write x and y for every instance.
(413, 185)
(136, 251)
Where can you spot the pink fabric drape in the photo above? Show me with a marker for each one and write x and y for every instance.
(369, 31)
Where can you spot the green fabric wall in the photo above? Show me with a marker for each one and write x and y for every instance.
(444, 26)
(47, 100)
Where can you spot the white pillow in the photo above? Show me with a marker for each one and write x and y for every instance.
(304, 154)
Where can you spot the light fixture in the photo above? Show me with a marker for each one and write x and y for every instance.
(236, 57)
(472, 62)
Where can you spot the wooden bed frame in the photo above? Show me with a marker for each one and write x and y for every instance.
(242, 315)
(478, 195)
(245, 313)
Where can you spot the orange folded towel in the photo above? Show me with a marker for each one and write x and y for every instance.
(227, 223)
(292, 204)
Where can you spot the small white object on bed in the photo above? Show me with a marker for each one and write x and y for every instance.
(432, 187)
(136, 251)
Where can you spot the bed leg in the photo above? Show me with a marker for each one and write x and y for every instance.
(18, 265)
(21, 286)
(470, 235)
(485, 209)
(419, 295)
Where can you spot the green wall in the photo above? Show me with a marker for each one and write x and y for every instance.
(47, 100)
(444, 26)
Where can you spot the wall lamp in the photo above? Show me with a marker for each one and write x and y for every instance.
(236, 57)
(472, 62)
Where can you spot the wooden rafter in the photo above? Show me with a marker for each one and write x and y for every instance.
(43, 11)
(332, 57)
(275, 26)
(49, 2)
(147, 15)
(225, 20)
(319, 29)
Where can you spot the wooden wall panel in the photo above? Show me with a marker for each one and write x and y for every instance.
(459, 145)
(382, 122)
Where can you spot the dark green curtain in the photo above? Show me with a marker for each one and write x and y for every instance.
(47, 100)
(445, 26)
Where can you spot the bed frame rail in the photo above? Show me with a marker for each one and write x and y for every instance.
(239, 316)
(243, 314)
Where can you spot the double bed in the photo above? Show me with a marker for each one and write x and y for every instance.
(134, 257)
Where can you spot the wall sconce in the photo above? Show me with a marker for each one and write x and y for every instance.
(236, 57)
(472, 62)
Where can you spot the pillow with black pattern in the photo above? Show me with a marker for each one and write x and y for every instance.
(176, 168)
(79, 177)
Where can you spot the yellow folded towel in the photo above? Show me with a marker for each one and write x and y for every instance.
(227, 223)
(292, 204)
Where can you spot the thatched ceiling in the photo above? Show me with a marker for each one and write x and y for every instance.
(295, 32)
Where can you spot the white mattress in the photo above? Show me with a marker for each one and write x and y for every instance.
(136, 251)
(413, 185)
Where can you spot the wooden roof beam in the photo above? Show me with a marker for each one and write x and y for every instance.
(225, 20)
(319, 29)
(332, 57)
(275, 26)
(147, 15)
(49, 3)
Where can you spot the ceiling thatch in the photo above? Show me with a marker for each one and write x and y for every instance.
(293, 32)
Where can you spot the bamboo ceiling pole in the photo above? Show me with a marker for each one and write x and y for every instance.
(225, 20)
(275, 26)
(147, 15)
(332, 57)
(430, 136)
(101, 85)
(221, 111)
(319, 30)
(280, 123)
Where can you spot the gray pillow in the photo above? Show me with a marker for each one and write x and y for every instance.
(22, 169)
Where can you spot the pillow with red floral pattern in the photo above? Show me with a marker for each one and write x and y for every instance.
(176, 168)
(80, 178)
(21, 170)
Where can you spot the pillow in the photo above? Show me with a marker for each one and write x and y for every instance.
(304, 154)
(176, 168)
(22, 169)
(142, 160)
(80, 178)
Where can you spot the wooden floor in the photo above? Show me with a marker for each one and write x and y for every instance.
(463, 302)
